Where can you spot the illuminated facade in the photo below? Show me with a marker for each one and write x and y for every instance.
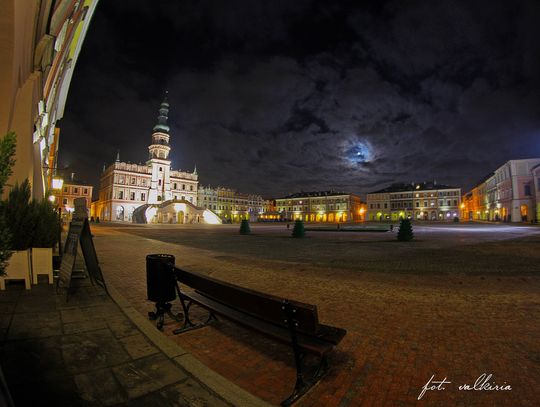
(419, 201)
(39, 45)
(509, 194)
(231, 205)
(157, 192)
(320, 206)
(70, 191)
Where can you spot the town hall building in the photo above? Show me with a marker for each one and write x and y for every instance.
(151, 193)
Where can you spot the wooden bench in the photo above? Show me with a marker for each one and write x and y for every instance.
(291, 322)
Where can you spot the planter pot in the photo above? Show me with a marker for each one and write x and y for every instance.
(18, 269)
(42, 258)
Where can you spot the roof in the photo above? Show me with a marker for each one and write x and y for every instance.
(413, 186)
(314, 194)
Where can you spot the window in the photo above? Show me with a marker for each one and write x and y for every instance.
(65, 189)
(85, 191)
(120, 194)
(191, 187)
(132, 196)
(175, 185)
(65, 201)
(75, 190)
(183, 197)
(159, 182)
(161, 168)
(448, 203)
(183, 186)
(455, 202)
(159, 198)
(417, 204)
(143, 182)
(133, 180)
(527, 189)
(385, 206)
(143, 197)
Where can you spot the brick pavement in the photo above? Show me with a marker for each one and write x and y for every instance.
(402, 327)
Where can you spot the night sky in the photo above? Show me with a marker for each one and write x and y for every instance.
(274, 97)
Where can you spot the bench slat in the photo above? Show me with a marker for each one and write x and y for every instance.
(310, 344)
(260, 305)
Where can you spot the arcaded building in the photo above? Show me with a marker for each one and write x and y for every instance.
(320, 206)
(509, 194)
(419, 201)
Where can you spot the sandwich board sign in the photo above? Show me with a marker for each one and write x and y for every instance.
(79, 233)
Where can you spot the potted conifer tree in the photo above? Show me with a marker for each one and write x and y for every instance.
(244, 227)
(46, 231)
(7, 160)
(298, 230)
(19, 215)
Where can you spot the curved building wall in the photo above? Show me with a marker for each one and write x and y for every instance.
(39, 45)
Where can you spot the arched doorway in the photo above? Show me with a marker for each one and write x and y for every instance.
(120, 213)
(180, 217)
(524, 211)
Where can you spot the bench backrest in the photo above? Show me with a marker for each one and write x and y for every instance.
(264, 306)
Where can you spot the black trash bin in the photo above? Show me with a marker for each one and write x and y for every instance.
(160, 281)
(161, 286)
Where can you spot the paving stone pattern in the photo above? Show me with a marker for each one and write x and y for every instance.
(404, 324)
(85, 352)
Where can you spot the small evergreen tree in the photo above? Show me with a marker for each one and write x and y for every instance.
(298, 230)
(47, 228)
(20, 216)
(405, 232)
(7, 160)
(244, 227)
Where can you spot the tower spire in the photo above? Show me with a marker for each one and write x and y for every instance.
(117, 156)
(161, 125)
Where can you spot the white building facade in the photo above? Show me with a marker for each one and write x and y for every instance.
(162, 194)
(419, 201)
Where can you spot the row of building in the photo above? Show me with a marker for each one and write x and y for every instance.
(509, 194)
(154, 192)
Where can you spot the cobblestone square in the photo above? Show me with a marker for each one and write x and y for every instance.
(459, 301)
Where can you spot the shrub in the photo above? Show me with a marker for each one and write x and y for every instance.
(20, 216)
(405, 232)
(7, 152)
(298, 230)
(47, 228)
(244, 227)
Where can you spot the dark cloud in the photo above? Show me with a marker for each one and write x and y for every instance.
(275, 97)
